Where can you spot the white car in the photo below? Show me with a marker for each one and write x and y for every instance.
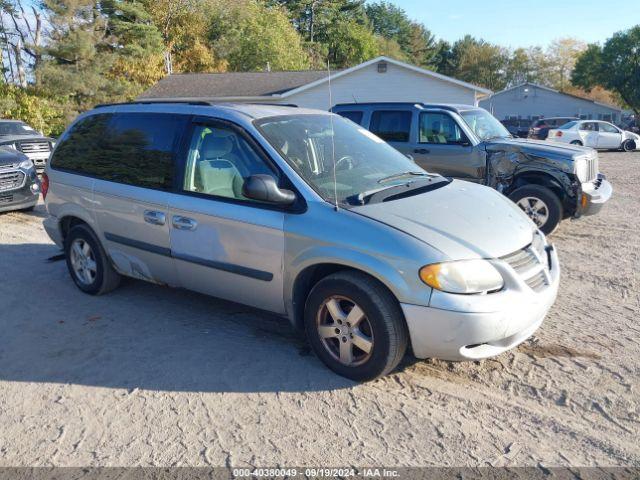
(595, 134)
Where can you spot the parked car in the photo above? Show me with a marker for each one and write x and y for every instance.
(540, 128)
(19, 185)
(25, 139)
(549, 182)
(304, 214)
(595, 134)
(518, 127)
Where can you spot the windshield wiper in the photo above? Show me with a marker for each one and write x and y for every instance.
(398, 176)
(401, 190)
(361, 198)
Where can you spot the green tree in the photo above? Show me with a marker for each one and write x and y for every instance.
(415, 40)
(615, 66)
(480, 62)
(350, 43)
(185, 26)
(561, 56)
(97, 52)
(527, 65)
(256, 37)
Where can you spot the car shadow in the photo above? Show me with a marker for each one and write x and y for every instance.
(142, 336)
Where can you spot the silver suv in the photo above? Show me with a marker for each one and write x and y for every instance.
(304, 214)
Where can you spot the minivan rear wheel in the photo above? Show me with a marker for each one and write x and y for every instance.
(88, 264)
(355, 326)
(540, 204)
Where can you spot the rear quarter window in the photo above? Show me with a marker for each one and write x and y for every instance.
(132, 148)
(391, 125)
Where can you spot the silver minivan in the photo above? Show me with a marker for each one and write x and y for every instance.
(301, 213)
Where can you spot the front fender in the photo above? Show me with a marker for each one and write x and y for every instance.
(399, 276)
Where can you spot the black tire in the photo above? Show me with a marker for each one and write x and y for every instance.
(548, 198)
(577, 142)
(629, 145)
(106, 278)
(384, 322)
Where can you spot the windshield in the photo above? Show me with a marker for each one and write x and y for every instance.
(484, 125)
(15, 128)
(363, 162)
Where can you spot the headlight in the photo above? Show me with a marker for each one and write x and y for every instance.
(26, 164)
(465, 276)
(581, 169)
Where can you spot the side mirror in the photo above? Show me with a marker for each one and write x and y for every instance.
(265, 189)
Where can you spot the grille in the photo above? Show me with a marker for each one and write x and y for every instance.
(34, 147)
(530, 266)
(538, 282)
(592, 168)
(6, 199)
(522, 261)
(11, 180)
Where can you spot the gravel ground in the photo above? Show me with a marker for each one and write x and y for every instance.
(154, 376)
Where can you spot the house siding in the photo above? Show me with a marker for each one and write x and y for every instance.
(540, 102)
(398, 84)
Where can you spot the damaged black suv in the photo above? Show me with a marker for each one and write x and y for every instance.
(549, 182)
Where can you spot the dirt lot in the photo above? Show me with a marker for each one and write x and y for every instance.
(154, 376)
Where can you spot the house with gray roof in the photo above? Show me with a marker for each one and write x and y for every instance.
(381, 79)
(532, 101)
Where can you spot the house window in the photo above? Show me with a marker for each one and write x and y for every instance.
(382, 67)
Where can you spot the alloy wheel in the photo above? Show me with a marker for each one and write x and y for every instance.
(536, 209)
(345, 331)
(83, 261)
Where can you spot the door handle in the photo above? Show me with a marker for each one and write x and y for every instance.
(154, 217)
(184, 223)
(422, 151)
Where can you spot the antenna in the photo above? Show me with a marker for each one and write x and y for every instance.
(333, 140)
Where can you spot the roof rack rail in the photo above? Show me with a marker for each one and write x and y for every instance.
(208, 103)
(154, 101)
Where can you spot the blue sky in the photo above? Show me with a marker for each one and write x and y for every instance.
(522, 23)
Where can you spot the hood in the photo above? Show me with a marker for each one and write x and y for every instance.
(463, 220)
(537, 147)
(4, 139)
(9, 156)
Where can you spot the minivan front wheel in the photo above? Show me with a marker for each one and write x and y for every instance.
(88, 263)
(355, 326)
(540, 204)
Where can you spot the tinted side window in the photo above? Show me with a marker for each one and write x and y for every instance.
(355, 117)
(131, 148)
(393, 126)
(141, 149)
(84, 147)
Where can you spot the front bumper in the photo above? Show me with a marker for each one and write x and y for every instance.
(595, 195)
(19, 199)
(487, 326)
(39, 160)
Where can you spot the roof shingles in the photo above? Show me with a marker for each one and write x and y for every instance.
(231, 84)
